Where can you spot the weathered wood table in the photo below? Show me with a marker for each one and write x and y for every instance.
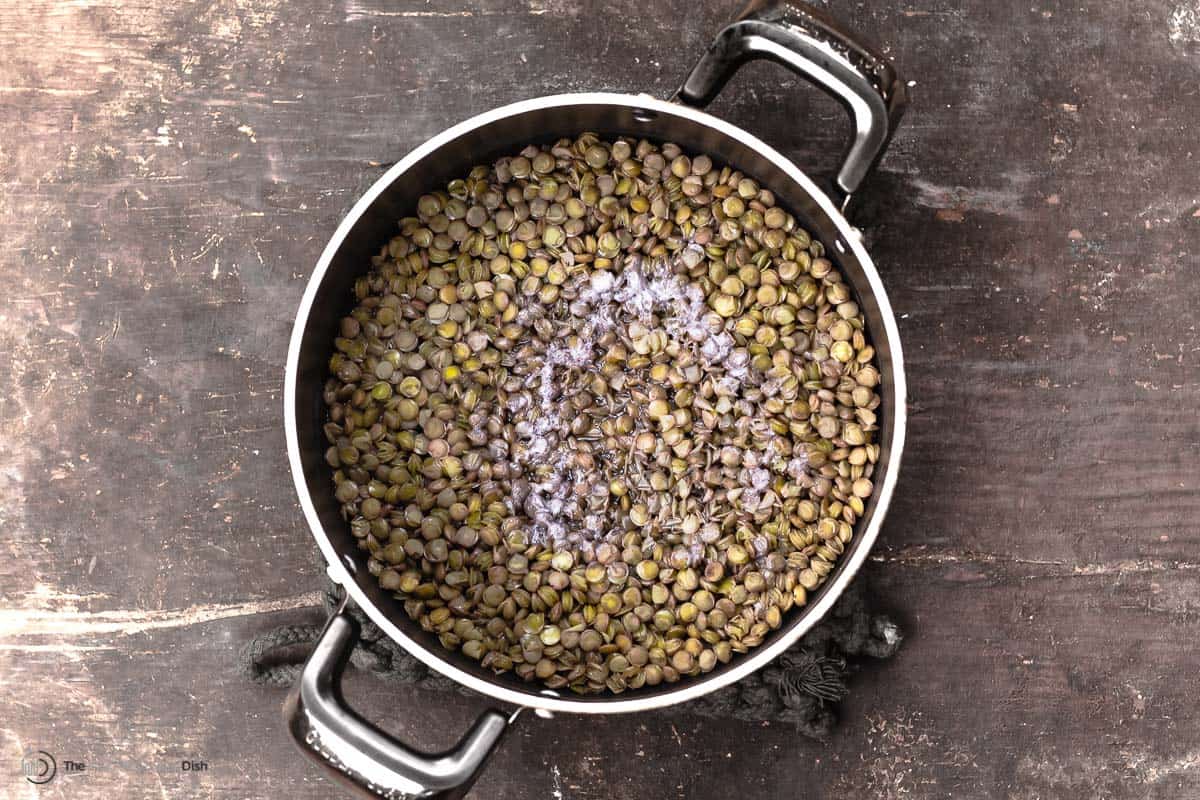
(170, 172)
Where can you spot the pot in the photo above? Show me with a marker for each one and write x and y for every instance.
(790, 33)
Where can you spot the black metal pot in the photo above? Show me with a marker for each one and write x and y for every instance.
(793, 34)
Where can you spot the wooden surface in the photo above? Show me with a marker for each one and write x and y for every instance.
(171, 171)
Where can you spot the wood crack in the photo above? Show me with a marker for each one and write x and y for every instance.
(921, 557)
(22, 622)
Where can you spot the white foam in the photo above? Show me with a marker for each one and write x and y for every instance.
(604, 301)
(797, 466)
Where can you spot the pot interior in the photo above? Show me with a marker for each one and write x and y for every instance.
(349, 256)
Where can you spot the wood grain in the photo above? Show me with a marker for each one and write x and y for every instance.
(170, 172)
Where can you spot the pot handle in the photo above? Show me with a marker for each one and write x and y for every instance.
(362, 756)
(819, 49)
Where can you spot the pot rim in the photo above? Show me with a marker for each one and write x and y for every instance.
(548, 700)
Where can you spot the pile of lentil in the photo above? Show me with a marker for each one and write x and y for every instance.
(603, 414)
